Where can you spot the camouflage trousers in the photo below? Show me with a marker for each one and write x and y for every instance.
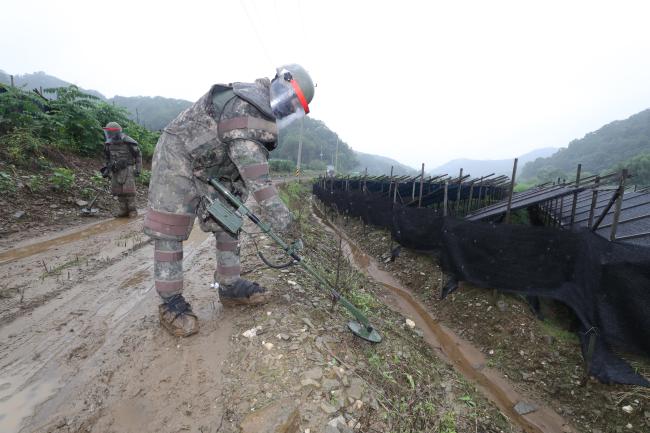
(127, 204)
(168, 263)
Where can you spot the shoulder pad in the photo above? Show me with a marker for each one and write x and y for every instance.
(255, 94)
(220, 96)
(129, 140)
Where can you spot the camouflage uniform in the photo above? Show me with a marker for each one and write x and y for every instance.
(124, 160)
(227, 134)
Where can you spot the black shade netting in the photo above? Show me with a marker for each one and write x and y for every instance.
(606, 284)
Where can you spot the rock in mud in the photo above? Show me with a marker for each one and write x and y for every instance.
(81, 203)
(328, 408)
(356, 388)
(18, 215)
(315, 373)
(279, 417)
(330, 384)
(522, 408)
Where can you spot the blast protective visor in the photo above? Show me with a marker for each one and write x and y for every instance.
(112, 134)
(287, 100)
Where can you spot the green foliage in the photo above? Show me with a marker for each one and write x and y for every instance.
(97, 179)
(21, 145)
(317, 165)
(638, 167)
(88, 193)
(63, 117)
(62, 178)
(145, 177)
(448, 423)
(597, 151)
(281, 166)
(36, 183)
(7, 183)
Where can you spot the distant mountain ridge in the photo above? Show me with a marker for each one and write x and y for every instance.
(484, 167)
(378, 165)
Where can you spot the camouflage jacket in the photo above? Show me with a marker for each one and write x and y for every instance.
(223, 136)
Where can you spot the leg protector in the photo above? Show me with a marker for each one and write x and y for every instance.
(123, 207)
(168, 267)
(228, 264)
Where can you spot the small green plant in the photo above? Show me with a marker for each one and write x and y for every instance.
(36, 183)
(97, 179)
(468, 400)
(145, 177)
(7, 183)
(448, 423)
(375, 361)
(88, 193)
(62, 178)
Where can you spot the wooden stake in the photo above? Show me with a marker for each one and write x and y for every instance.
(421, 185)
(619, 201)
(512, 190)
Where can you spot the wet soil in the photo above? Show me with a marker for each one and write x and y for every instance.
(541, 359)
(82, 350)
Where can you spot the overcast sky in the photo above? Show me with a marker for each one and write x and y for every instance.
(419, 81)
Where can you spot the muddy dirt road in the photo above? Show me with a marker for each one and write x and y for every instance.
(80, 338)
(81, 349)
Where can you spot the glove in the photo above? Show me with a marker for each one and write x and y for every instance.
(137, 173)
(106, 172)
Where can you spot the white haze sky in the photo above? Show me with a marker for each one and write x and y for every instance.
(418, 81)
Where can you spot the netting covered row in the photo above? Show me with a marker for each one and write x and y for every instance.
(607, 284)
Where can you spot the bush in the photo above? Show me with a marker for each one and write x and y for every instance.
(21, 145)
(281, 165)
(145, 177)
(7, 183)
(36, 183)
(62, 178)
(97, 179)
(317, 165)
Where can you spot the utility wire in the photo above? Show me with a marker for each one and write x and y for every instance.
(257, 34)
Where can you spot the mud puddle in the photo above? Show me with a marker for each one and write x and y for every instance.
(465, 358)
(75, 235)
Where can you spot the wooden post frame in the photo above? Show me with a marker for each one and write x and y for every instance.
(421, 186)
(512, 190)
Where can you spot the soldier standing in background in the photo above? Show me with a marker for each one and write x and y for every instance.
(123, 165)
(227, 135)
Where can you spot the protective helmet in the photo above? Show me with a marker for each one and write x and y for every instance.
(291, 92)
(112, 132)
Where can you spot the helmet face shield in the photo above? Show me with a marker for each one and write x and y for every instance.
(112, 134)
(287, 100)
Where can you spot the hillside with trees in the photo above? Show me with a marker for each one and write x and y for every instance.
(319, 146)
(622, 143)
(151, 112)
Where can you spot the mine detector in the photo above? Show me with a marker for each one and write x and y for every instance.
(229, 212)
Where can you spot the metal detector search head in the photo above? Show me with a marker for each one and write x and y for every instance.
(231, 219)
(368, 333)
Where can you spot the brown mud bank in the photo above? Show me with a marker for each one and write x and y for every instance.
(467, 359)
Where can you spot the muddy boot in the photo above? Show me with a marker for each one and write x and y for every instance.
(176, 316)
(242, 292)
(133, 211)
(123, 209)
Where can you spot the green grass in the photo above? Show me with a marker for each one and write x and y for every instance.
(559, 333)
